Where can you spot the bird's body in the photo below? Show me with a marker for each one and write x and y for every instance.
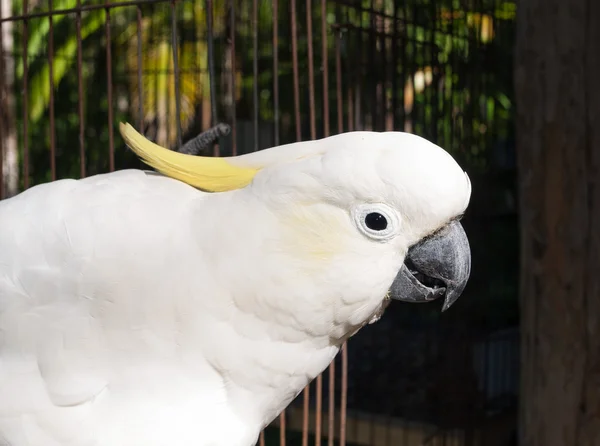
(136, 310)
(70, 292)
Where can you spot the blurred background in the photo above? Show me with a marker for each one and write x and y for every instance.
(452, 71)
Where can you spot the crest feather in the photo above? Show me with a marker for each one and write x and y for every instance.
(206, 173)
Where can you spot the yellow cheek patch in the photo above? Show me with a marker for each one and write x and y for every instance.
(315, 233)
(206, 173)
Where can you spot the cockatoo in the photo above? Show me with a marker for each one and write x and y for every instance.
(189, 307)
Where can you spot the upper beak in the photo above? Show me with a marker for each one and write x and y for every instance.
(438, 266)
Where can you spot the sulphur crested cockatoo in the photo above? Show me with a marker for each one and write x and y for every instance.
(189, 308)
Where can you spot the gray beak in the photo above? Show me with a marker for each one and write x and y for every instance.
(438, 266)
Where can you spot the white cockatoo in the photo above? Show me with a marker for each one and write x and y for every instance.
(190, 307)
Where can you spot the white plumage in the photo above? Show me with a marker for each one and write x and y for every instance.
(136, 310)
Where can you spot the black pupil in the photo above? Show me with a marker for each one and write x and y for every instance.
(376, 221)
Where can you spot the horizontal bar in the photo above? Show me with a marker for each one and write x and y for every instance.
(336, 27)
(380, 13)
(82, 8)
(372, 31)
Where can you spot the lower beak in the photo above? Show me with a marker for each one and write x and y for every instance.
(439, 266)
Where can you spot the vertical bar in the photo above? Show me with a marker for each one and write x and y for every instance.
(313, 136)
(282, 421)
(140, 68)
(387, 117)
(80, 92)
(407, 69)
(433, 88)
(211, 69)
(2, 100)
(344, 399)
(295, 70)
(454, 66)
(340, 123)
(351, 107)
(211, 61)
(305, 414)
(25, 98)
(447, 111)
(255, 71)
(318, 409)
(276, 70)
(466, 128)
(491, 119)
(338, 81)
(480, 79)
(282, 429)
(153, 66)
(371, 46)
(232, 78)
(473, 43)
(176, 69)
(403, 62)
(111, 142)
(326, 131)
(416, 118)
(331, 406)
(306, 395)
(165, 67)
(7, 103)
(311, 71)
(51, 102)
(395, 44)
(325, 65)
(353, 80)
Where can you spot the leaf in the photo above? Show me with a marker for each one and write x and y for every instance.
(38, 34)
(40, 82)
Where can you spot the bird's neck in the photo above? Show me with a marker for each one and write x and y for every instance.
(275, 374)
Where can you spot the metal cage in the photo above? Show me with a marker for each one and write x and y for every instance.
(280, 71)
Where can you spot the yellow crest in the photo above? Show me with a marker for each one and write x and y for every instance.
(206, 173)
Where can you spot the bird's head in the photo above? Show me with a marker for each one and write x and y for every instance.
(376, 214)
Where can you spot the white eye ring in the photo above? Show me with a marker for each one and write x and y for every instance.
(376, 220)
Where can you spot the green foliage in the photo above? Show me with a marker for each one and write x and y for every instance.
(432, 60)
(66, 53)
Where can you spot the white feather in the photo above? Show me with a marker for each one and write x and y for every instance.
(138, 311)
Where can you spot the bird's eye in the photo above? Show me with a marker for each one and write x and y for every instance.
(376, 221)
